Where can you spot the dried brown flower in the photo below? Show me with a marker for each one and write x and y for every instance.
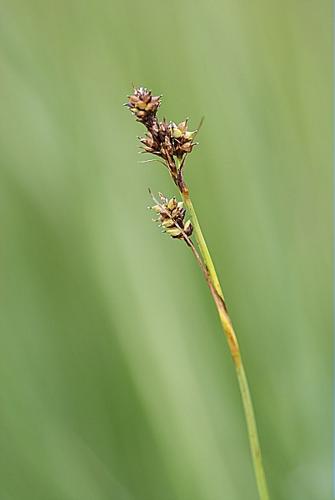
(182, 139)
(171, 215)
(167, 140)
(158, 140)
(170, 140)
(144, 105)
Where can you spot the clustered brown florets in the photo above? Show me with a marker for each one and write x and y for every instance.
(170, 139)
(171, 143)
(144, 105)
(171, 215)
(167, 140)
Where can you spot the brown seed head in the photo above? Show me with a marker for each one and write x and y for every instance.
(143, 105)
(171, 142)
(158, 140)
(182, 139)
(171, 215)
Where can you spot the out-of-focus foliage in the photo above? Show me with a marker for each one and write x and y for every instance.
(115, 380)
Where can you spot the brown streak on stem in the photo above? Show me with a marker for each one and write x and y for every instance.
(221, 307)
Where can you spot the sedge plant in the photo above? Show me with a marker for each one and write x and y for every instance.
(171, 143)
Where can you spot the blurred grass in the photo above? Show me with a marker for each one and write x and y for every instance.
(115, 380)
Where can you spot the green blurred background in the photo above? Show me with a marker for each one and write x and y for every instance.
(115, 380)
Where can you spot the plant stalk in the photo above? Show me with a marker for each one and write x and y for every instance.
(211, 277)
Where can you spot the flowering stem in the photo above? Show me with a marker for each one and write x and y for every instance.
(172, 143)
(209, 271)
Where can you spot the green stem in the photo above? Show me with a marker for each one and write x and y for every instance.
(215, 288)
